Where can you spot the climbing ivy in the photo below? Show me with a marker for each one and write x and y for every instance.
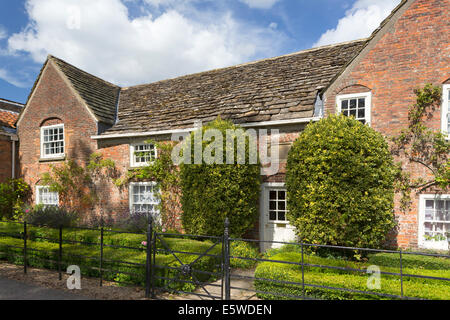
(166, 173)
(79, 186)
(422, 145)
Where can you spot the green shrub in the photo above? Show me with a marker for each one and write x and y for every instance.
(243, 249)
(134, 222)
(339, 181)
(212, 192)
(13, 194)
(51, 216)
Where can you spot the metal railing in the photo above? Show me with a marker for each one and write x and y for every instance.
(302, 264)
(161, 277)
(64, 256)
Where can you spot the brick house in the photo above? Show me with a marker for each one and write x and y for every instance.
(71, 114)
(9, 113)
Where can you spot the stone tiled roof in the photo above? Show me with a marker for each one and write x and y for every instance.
(279, 88)
(99, 95)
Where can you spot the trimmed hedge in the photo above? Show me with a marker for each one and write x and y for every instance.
(413, 287)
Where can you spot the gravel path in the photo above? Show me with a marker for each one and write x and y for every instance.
(44, 284)
(48, 279)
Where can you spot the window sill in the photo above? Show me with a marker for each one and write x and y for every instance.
(54, 159)
(278, 222)
(434, 245)
(135, 167)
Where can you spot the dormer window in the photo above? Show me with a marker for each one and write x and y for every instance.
(52, 141)
(142, 154)
(445, 117)
(355, 105)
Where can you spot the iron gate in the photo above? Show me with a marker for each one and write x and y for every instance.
(184, 270)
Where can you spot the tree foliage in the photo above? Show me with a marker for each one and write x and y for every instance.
(13, 195)
(167, 175)
(339, 180)
(78, 186)
(419, 144)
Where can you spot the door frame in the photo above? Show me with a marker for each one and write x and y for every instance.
(264, 210)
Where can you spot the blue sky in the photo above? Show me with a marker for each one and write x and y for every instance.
(131, 42)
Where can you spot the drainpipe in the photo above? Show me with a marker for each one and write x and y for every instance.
(13, 156)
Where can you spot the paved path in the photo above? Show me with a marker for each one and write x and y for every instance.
(16, 290)
(214, 289)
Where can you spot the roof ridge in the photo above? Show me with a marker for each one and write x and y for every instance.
(252, 62)
(11, 102)
(85, 72)
(387, 19)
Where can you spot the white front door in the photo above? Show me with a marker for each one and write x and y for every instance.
(273, 221)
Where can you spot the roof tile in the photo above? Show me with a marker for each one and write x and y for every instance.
(272, 89)
(99, 95)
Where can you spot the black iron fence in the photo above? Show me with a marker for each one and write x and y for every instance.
(303, 285)
(60, 256)
(206, 272)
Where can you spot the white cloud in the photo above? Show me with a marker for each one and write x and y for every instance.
(258, 4)
(8, 77)
(99, 37)
(359, 22)
(3, 33)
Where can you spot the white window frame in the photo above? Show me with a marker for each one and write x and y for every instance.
(266, 198)
(429, 244)
(38, 193)
(53, 156)
(445, 109)
(133, 162)
(368, 103)
(131, 194)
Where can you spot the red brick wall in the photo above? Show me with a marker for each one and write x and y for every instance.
(53, 102)
(415, 51)
(5, 158)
